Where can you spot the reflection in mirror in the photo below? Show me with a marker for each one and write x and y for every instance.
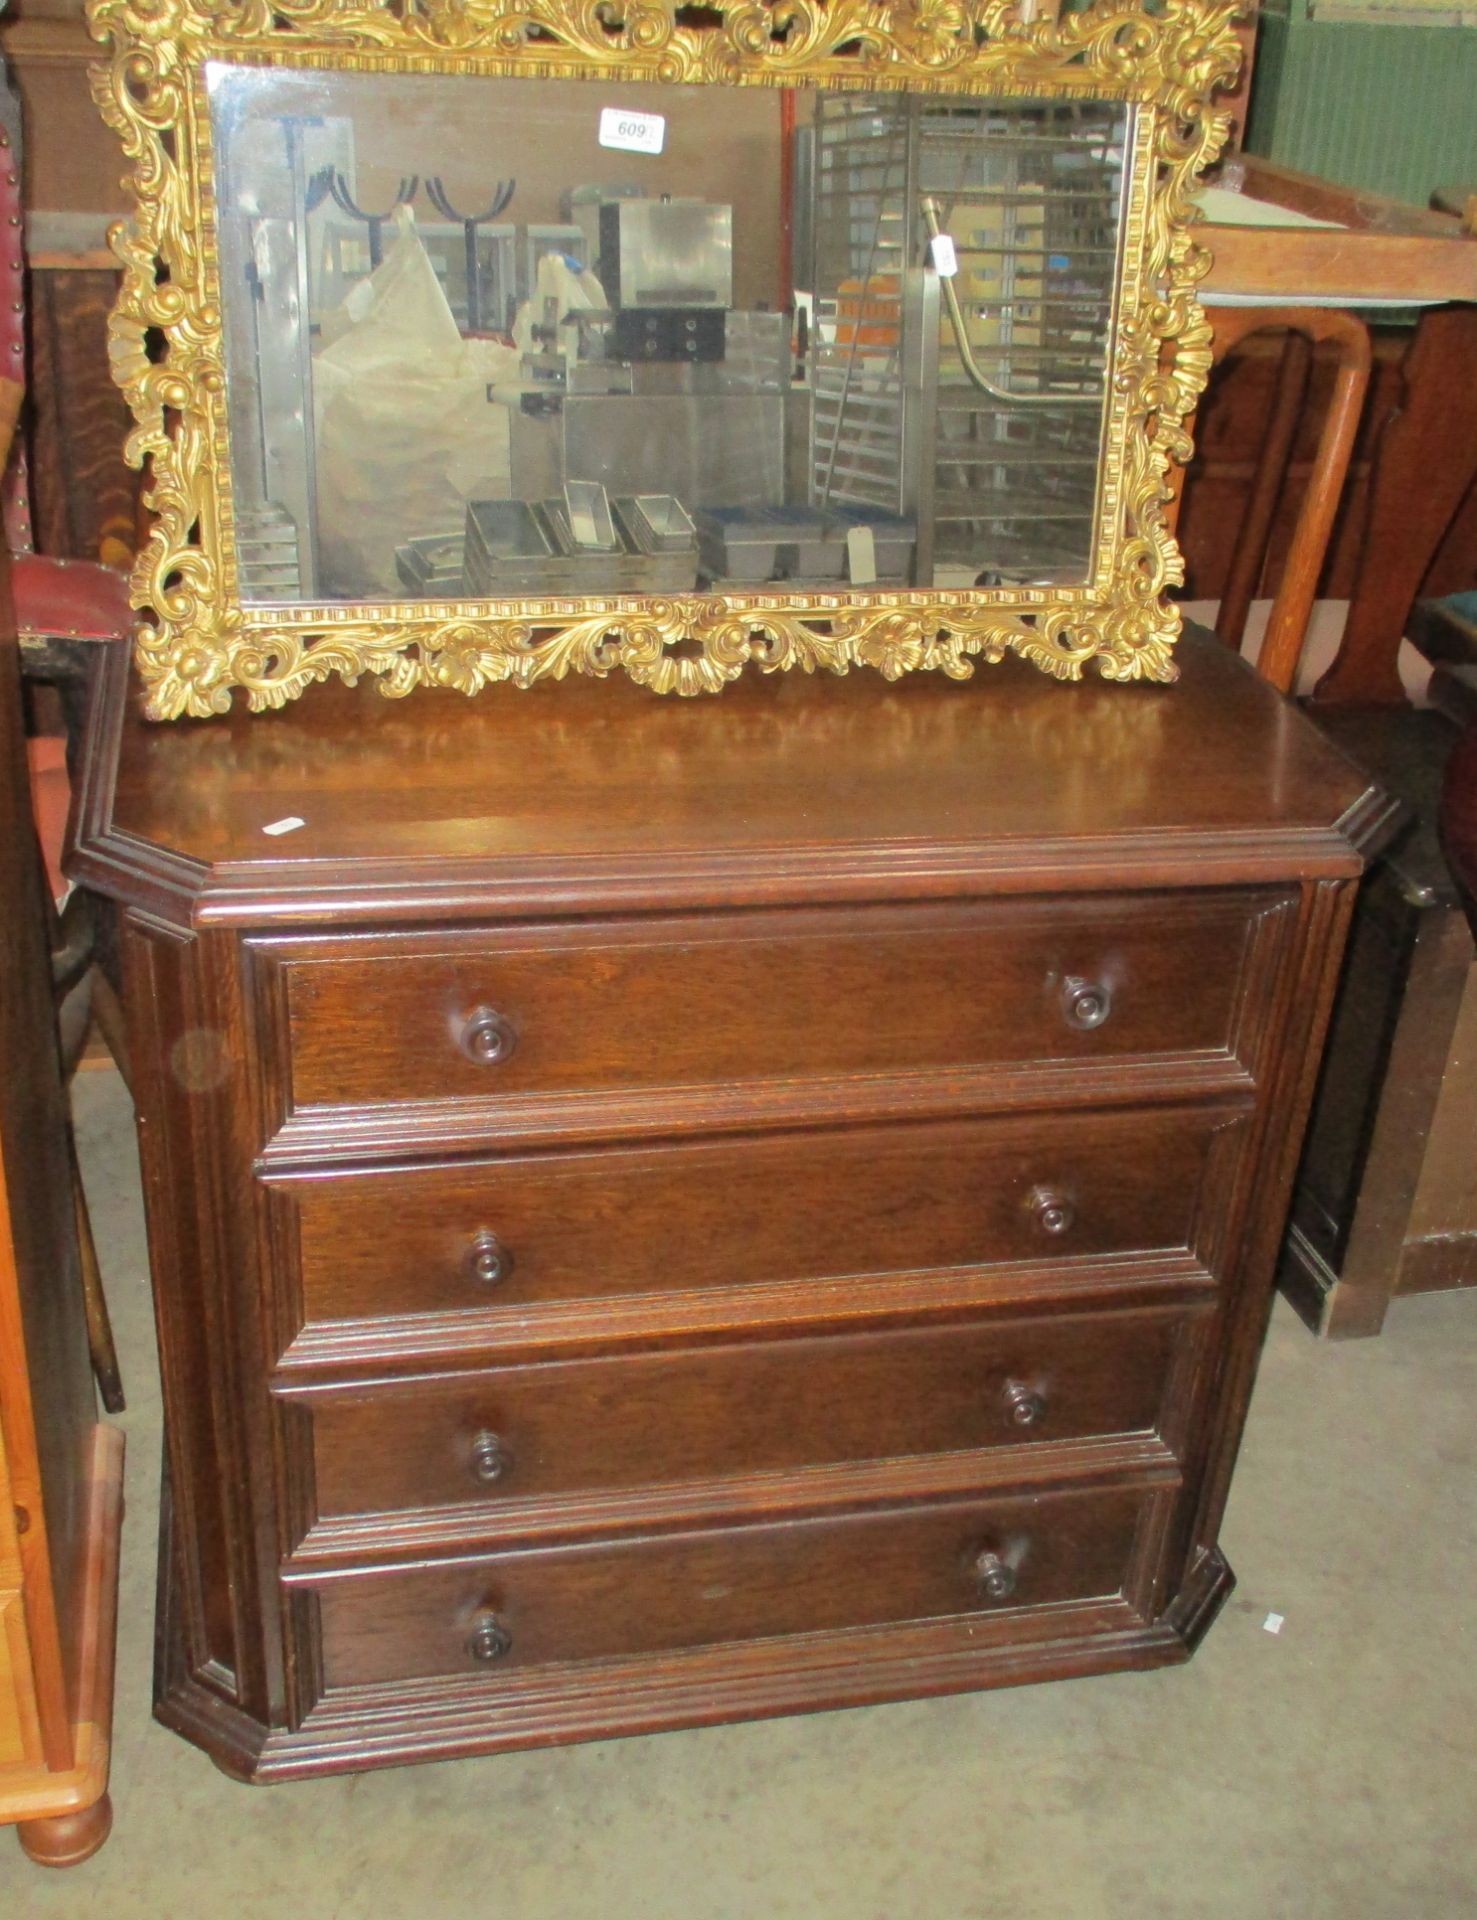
(511, 339)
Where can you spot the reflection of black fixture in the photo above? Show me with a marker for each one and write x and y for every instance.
(317, 190)
(666, 333)
(667, 269)
(502, 193)
(338, 187)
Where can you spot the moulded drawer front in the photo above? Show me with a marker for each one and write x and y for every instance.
(526, 1231)
(729, 1001)
(511, 1434)
(606, 1599)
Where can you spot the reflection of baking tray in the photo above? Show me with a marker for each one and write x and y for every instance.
(746, 546)
(738, 544)
(525, 548)
(587, 518)
(659, 522)
(893, 536)
(812, 548)
(511, 549)
(431, 564)
(662, 571)
(506, 530)
(590, 570)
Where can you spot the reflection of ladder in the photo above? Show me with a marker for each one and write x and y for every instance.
(1031, 209)
(861, 237)
(1030, 193)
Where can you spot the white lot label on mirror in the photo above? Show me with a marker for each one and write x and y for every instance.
(945, 260)
(632, 132)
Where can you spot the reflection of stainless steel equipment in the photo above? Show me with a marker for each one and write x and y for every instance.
(666, 253)
(667, 270)
(587, 512)
(749, 545)
(431, 566)
(659, 522)
(267, 553)
(893, 536)
(984, 423)
(544, 369)
(522, 547)
(667, 333)
(476, 316)
(509, 547)
(263, 188)
(495, 247)
(580, 206)
(539, 239)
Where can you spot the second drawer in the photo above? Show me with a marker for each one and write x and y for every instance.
(531, 1231)
(534, 1433)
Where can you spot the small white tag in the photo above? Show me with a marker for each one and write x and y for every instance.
(289, 825)
(945, 260)
(1272, 1623)
(861, 556)
(631, 132)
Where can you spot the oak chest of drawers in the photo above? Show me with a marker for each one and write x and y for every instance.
(664, 1211)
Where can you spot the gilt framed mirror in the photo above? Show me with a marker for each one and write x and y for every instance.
(478, 341)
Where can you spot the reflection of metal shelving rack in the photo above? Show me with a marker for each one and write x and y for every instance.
(991, 438)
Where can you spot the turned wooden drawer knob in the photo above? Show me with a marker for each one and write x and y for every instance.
(1086, 1003)
(1025, 1405)
(487, 1036)
(488, 1260)
(490, 1458)
(996, 1576)
(1053, 1212)
(489, 1638)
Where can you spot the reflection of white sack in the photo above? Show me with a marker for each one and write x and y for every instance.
(575, 293)
(403, 422)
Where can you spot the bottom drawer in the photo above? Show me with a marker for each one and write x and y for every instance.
(605, 1599)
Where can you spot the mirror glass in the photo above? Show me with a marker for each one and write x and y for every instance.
(518, 339)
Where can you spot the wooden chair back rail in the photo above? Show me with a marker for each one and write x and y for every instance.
(1288, 625)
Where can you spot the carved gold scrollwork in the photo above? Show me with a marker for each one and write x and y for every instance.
(196, 643)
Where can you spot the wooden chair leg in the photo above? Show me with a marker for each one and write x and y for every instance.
(99, 1325)
(1287, 628)
(1249, 555)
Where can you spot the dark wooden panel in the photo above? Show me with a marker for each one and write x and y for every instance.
(513, 1433)
(755, 998)
(502, 1235)
(746, 1583)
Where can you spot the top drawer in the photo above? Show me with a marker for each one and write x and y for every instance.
(627, 1008)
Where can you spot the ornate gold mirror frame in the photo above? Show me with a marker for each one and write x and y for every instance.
(196, 641)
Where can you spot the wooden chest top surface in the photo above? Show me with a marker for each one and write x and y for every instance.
(603, 796)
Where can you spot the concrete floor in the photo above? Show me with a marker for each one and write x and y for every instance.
(1326, 1770)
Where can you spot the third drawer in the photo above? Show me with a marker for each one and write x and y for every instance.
(510, 1435)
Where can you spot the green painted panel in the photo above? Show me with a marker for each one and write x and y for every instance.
(1390, 108)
